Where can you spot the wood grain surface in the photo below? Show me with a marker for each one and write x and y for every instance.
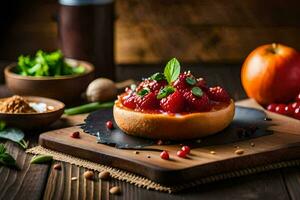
(272, 148)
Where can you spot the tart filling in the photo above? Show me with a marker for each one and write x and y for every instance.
(173, 105)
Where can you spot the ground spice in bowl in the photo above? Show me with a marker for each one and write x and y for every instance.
(15, 104)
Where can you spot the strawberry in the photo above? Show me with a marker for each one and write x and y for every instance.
(129, 102)
(202, 84)
(218, 94)
(173, 103)
(181, 82)
(197, 103)
(153, 85)
(148, 101)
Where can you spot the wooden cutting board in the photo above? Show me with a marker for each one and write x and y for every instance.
(283, 144)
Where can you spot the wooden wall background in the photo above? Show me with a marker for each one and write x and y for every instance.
(152, 31)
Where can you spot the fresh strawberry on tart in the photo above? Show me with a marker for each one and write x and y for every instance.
(173, 106)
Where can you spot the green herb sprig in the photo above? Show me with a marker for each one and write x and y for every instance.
(6, 159)
(46, 64)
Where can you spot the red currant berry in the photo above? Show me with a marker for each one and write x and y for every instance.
(164, 155)
(297, 113)
(109, 124)
(271, 107)
(181, 154)
(186, 149)
(280, 109)
(75, 134)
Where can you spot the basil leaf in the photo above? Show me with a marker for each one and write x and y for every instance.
(143, 92)
(2, 149)
(7, 160)
(13, 134)
(190, 80)
(158, 77)
(165, 92)
(40, 159)
(172, 70)
(197, 91)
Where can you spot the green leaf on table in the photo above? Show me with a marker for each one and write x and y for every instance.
(167, 90)
(196, 91)
(13, 134)
(6, 159)
(172, 70)
(2, 149)
(41, 159)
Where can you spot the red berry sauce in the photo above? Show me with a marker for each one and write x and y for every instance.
(186, 94)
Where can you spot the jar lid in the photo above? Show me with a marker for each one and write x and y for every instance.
(83, 2)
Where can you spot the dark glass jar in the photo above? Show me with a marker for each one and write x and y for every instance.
(86, 32)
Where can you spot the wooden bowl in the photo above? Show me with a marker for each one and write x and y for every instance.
(65, 88)
(29, 121)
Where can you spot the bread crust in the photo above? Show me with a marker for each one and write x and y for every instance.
(172, 127)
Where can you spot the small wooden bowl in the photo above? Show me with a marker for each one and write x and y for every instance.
(29, 121)
(65, 88)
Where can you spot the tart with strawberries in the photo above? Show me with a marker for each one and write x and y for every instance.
(173, 106)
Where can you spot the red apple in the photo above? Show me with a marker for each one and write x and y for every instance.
(271, 74)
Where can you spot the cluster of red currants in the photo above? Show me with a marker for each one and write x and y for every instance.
(291, 109)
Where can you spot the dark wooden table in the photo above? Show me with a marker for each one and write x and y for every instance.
(41, 181)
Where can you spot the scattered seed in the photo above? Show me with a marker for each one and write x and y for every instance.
(75, 134)
(148, 156)
(104, 175)
(89, 175)
(236, 146)
(239, 151)
(252, 144)
(57, 166)
(136, 152)
(115, 190)
(74, 178)
(212, 152)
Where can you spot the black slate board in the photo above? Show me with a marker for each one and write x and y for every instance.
(247, 123)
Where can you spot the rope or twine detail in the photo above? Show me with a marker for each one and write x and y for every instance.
(147, 183)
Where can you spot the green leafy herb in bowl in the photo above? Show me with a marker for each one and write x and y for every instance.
(46, 64)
